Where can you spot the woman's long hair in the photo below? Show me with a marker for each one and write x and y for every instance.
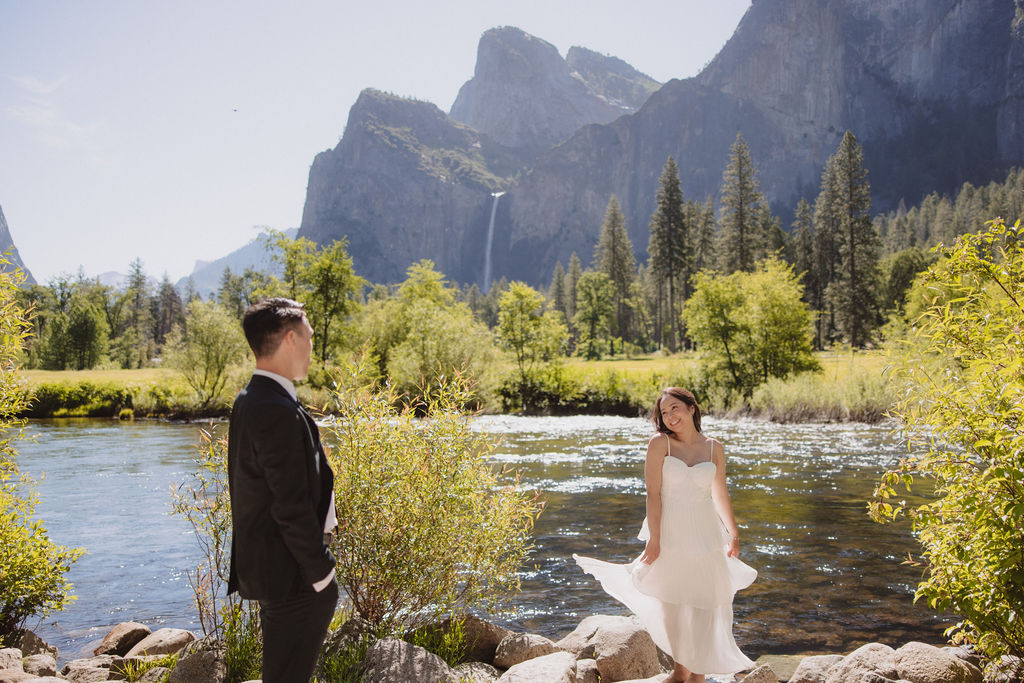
(684, 395)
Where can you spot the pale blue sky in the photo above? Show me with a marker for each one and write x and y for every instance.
(168, 130)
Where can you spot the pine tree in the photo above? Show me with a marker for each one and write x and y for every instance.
(704, 242)
(572, 280)
(826, 253)
(671, 244)
(557, 290)
(741, 240)
(614, 257)
(803, 251)
(853, 291)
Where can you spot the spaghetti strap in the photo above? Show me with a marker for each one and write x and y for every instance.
(711, 451)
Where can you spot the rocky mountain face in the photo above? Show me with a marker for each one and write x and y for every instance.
(933, 90)
(524, 95)
(7, 245)
(408, 181)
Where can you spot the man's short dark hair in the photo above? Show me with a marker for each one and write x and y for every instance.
(266, 322)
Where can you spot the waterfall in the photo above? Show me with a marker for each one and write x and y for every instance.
(490, 242)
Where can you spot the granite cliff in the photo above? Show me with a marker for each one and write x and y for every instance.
(7, 246)
(932, 88)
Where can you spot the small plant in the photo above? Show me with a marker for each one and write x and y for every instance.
(133, 669)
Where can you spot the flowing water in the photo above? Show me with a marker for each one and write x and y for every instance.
(830, 579)
(490, 242)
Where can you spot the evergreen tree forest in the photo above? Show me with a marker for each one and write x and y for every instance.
(849, 271)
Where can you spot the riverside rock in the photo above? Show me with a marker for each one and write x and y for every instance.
(762, 674)
(10, 658)
(390, 660)
(204, 666)
(15, 676)
(483, 638)
(475, 672)
(122, 638)
(814, 669)
(31, 644)
(621, 647)
(40, 665)
(164, 641)
(1008, 669)
(922, 663)
(557, 667)
(519, 647)
(586, 671)
(873, 658)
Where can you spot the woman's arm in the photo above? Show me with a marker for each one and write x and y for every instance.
(723, 503)
(656, 452)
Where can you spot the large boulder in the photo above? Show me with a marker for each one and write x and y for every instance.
(347, 635)
(557, 667)
(762, 674)
(10, 658)
(482, 638)
(40, 665)
(873, 658)
(31, 644)
(922, 663)
(91, 674)
(158, 674)
(204, 666)
(622, 648)
(15, 676)
(586, 671)
(98, 662)
(164, 641)
(476, 672)
(814, 669)
(122, 638)
(516, 648)
(391, 660)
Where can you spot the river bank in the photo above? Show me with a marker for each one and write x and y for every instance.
(601, 648)
(850, 387)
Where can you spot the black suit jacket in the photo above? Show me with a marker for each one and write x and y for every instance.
(280, 485)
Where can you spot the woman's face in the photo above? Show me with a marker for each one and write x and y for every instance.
(674, 411)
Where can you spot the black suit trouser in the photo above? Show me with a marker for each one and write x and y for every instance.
(293, 631)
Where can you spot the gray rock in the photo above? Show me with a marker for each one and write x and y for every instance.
(14, 676)
(557, 667)
(46, 679)
(923, 663)
(98, 662)
(164, 641)
(40, 665)
(482, 637)
(873, 658)
(762, 674)
(475, 672)
(31, 644)
(90, 674)
(516, 648)
(1008, 669)
(622, 648)
(814, 669)
(10, 658)
(391, 660)
(586, 671)
(122, 638)
(965, 653)
(784, 666)
(158, 674)
(205, 666)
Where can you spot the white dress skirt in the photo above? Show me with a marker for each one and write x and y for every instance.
(684, 598)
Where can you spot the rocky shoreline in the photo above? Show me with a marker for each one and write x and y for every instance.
(602, 649)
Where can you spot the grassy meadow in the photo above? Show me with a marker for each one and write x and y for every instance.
(850, 386)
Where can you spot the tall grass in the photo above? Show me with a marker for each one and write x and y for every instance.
(859, 396)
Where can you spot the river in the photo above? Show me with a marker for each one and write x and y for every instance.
(829, 578)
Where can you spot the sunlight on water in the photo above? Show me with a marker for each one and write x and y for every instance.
(829, 578)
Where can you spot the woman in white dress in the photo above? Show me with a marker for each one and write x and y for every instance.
(681, 587)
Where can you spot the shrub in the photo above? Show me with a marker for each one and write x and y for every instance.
(962, 403)
(427, 528)
(32, 567)
(204, 352)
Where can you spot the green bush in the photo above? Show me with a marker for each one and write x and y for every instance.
(860, 397)
(32, 567)
(427, 528)
(79, 399)
(961, 400)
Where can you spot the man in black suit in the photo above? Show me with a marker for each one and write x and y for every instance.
(282, 496)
